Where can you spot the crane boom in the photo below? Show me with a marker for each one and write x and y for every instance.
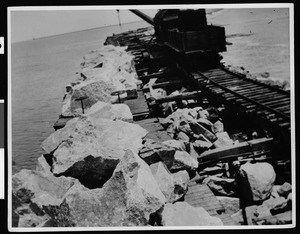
(142, 15)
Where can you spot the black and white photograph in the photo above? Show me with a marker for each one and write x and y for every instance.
(151, 117)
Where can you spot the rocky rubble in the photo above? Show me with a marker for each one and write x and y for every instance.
(106, 70)
(94, 172)
(251, 183)
(89, 148)
(197, 126)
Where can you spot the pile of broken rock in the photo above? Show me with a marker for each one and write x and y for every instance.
(251, 186)
(198, 127)
(101, 170)
(104, 71)
(92, 174)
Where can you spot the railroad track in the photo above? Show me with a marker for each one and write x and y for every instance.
(267, 102)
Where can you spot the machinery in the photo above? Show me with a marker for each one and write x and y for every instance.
(188, 36)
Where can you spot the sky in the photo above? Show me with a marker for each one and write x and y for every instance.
(29, 24)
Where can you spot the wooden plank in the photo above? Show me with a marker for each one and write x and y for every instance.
(183, 96)
(210, 203)
(154, 75)
(164, 84)
(231, 152)
(138, 105)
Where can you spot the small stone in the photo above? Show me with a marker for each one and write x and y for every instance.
(256, 180)
(218, 127)
(223, 140)
(284, 189)
(183, 137)
(275, 205)
(202, 145)
(231, 204)
(181, 180)
(178, 145)
(199, 129)
(203, 114)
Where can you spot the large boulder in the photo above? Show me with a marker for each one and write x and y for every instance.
(183, 214)
(109, 56)
(35, 190)
(90, 148)
(110, 111)
(104, 71)
(256, 180)
(163, 178)
(90, 92)
(127, 198)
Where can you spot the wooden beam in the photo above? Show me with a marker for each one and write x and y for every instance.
(154, 75)
(182, 96)
(232, 152)
(163, 84)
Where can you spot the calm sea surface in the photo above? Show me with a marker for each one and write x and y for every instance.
(40, 71)
(42, 68)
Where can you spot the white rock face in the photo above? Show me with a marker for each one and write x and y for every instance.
(182, 214)
(90, 148)
(127, 198)
(35, 190)
(91, 91)
(110, 111)
(174, 185)
(257, 180)
(163, 178)
(104, 71)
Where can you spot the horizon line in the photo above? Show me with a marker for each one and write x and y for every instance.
(60, 34)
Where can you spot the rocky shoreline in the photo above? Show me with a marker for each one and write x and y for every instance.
(101, 170)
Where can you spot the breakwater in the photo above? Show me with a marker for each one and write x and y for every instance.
(102, 170)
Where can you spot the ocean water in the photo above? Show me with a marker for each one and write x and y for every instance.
(41, 69)
(259, 40)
